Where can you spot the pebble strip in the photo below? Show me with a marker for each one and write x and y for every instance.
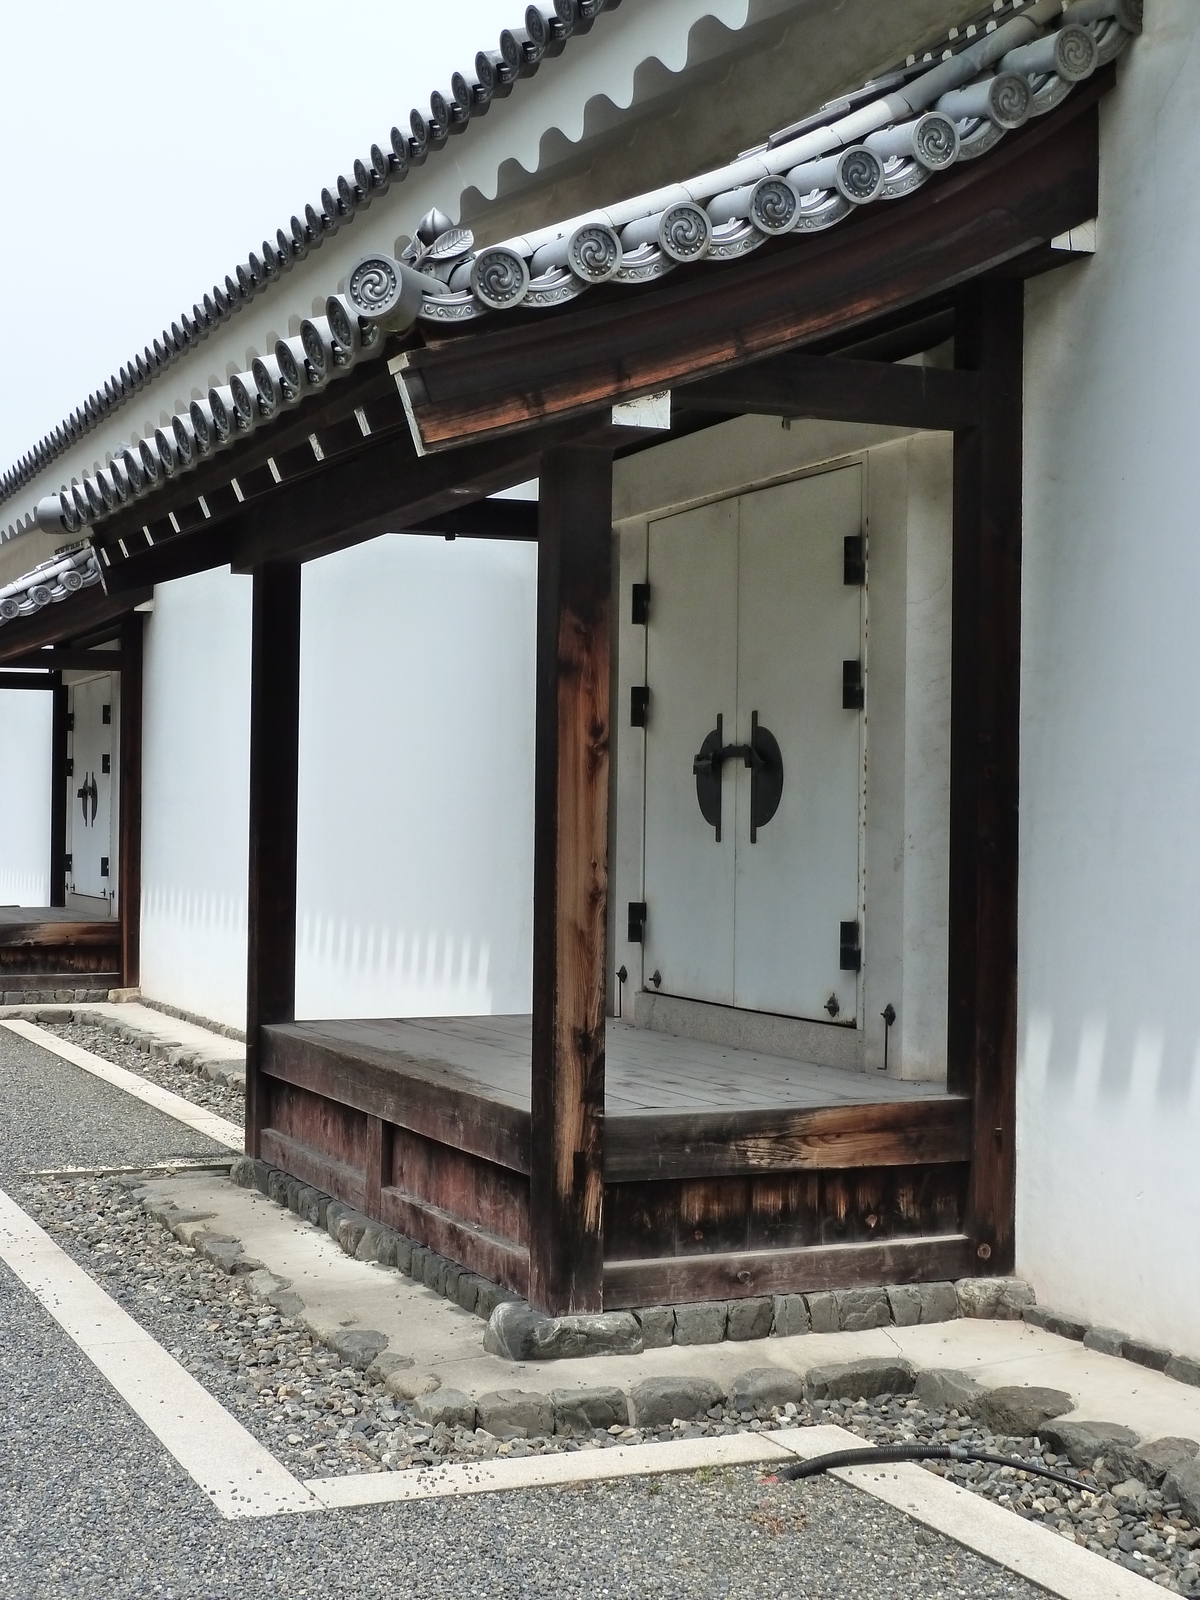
(133, 1052)
(322, 1417)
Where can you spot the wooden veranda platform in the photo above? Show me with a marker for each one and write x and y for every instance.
(725, 1172)
(53, 947)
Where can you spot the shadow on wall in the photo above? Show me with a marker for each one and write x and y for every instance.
(24, 889)
(1093, 1064)
(350, 968)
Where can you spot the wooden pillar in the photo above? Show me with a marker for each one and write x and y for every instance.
(570, 881)
(58, 794)
(274, 757)
(129, 848)
(985, 755)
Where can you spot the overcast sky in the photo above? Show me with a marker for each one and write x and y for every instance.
(146, 148)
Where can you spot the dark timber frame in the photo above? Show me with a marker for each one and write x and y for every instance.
(574, 1209)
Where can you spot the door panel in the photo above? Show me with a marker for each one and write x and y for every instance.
(89, 790)
(691, 661)
(797, 622)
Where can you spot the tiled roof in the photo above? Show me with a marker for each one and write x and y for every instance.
(54, 580)
(548, 26)
(881, 143)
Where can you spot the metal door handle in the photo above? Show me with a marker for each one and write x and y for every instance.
(762, 756)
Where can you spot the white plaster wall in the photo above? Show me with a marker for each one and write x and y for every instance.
(1108, 1154)
(195, 795)
(415, 892)
(24, 797)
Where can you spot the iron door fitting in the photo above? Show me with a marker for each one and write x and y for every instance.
(89, 791)
(764, 759)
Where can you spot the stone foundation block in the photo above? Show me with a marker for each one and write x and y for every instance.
(467, 1292)
(515, 1414)
(658, 1402)
(358, 1347)
(750, 1319)
(1108, 1341)
(446, 1405)
(860, 1309)
(822, 1312)
(763, 1388)
(790, 1315)
(582, 1410)
(658, 1326)
(860, 1380)
(1019, 1411)
(350, 1229)
(1146, 1354)
(1056, 1322)
(1184, 1370)
(1000, 1299)
(519, 1333)
(277, 1187)
(945, 1390)
(702, 1322)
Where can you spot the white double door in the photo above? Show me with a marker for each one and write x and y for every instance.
(751, 621)
(90, 787)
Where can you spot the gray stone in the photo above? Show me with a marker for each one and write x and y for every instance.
(350, 1230)
(765, 1387)
(358, 1347)
(657, 1402)
(387, 1362)
(860, 1309)
(1146, 1354)
(1159, 1456)
(791, 1315)
(822, 1312)
(277, 1187)
(448, 1406)
(385, 1250)
(489, 1296)
(416, 1265)
(1084, 1443)
(1108, 1341)
(1184, 1370)
(515, 1414)
(658, 1326)
(750, 1319)
(1000, 1299)
(1019, 1410)
(943, 1390)
(434, 1272)
(226, 1253)
(860, 1380)
(287, 1302)
(468, 1290)
(1181, 1487)
(294, 1191)
(1056, 1322)
(702, 1322)
(450, 1282)
(404, 1250)
(262, 1177)
(370, 1242)
(242, 1172)
(334, 1212)
(519, 1333)
(582, 1410)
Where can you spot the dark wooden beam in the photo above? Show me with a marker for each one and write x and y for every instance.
(1035, 184)
(484, 519)
(29, 680)
(985, 757)
(64, 658)
(58, 797)
(185, 553)
(129, 851)
(570, 881)
(797, 385)
(274, 759)
(76, 617)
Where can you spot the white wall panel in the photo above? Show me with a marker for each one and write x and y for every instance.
(1109, 1075)
(24, 797)
(416, 779)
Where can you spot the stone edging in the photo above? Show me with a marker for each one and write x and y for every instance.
(180, 1015)
(1111, 1342)
(192, 1058)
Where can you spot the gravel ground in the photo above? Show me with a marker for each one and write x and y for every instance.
(91, 1508)
(55, 1115)
(226, 1101)
(322, 1418)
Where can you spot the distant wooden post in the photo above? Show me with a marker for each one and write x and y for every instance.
(58, 794)
(274, 768)
(984, 757)
(570, 881)
(129, 853)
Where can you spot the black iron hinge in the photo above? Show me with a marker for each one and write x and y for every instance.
(639, 705)
(637, 921)
(850, 958)
(67, 863)
(104, 866)
(854, 560)
(106, 714)
(105, 763)
(853, 697)
(70, 767)
(641, 604)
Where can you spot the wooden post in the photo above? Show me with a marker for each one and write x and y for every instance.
(274, 758)
(984, 757)
(129, 852)
(570, 881)
(58, 794)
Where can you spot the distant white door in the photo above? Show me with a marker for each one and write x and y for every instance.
(751, 625)
(89, 789)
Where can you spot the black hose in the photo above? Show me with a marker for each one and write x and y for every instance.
(872, 1455)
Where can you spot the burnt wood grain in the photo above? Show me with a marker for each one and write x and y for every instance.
(714, 1144)
(491, 1257)
(465, 1186)
(101, 934)
(570, 880)
(129, 852)
(58, 796)
(985, 757)
(274, 769)
(738, 1274)
(401, 1090)
(1037, 183)
(800, 385)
